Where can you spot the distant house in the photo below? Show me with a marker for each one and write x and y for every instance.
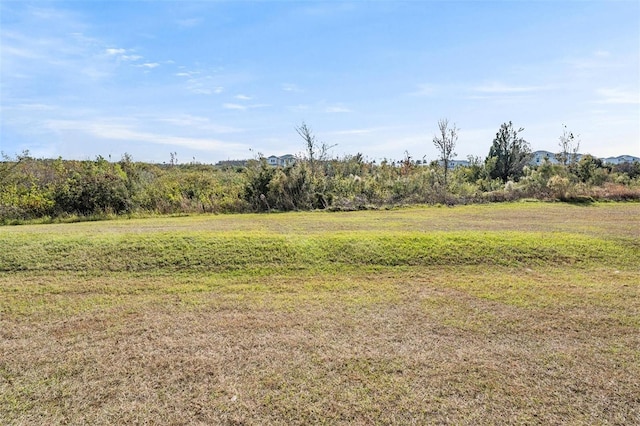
(282, 161)
(452, 163)
(458, 163)
(539, 157)
(231, 163)
(286, 160)
(272, 160)
(621, 159)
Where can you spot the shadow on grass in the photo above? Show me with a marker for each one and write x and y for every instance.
(579, 200)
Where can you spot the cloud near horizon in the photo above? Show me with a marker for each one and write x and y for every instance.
(501, 89)
(618, 96)
(118, 131)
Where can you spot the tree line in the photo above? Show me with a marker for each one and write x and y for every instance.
(55, 189)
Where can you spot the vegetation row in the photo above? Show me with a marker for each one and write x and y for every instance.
(49, 189)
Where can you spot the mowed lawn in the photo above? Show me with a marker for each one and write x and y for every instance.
(524, 313)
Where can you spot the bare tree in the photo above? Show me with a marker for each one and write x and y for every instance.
(316, 151)
(445, 142)
(569, 145)
(310, 142)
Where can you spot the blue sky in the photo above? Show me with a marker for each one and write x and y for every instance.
(215, 80)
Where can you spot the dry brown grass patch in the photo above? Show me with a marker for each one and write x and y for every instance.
(421, 352)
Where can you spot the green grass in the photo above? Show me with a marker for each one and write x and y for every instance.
(518, 313)
(268, 253)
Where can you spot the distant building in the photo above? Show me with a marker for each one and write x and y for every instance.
(231, 163)
(452, 163)
(286, 160)
(621, 159)
(282, 161)
(459, 163)
(272, 160)
(539, 157)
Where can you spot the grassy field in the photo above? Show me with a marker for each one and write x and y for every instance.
(523, 313)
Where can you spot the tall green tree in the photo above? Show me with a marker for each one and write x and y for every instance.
(590, 170)
(510, 153)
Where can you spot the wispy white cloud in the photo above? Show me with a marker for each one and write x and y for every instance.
(336, 109)
(206, 91)
(602, 53)
(57, 40)
(600, 61)
(123, 55)
(149, 65)
(59, 58)
(115, 130)
(424, 90)
(47, 14)
(36, 107)
(23, 46)
(242, 97)
(503, 89)
(200, 84)
(241, 107)
(198, 123)
(86, 40)
(114, 51)
(20, 52)
(234, 106)
(290, 87)
(189, 22)
(355, 132)
(95, 71)
(618, 96)
(299, 108)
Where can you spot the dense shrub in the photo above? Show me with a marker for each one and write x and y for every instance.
(32, 188)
